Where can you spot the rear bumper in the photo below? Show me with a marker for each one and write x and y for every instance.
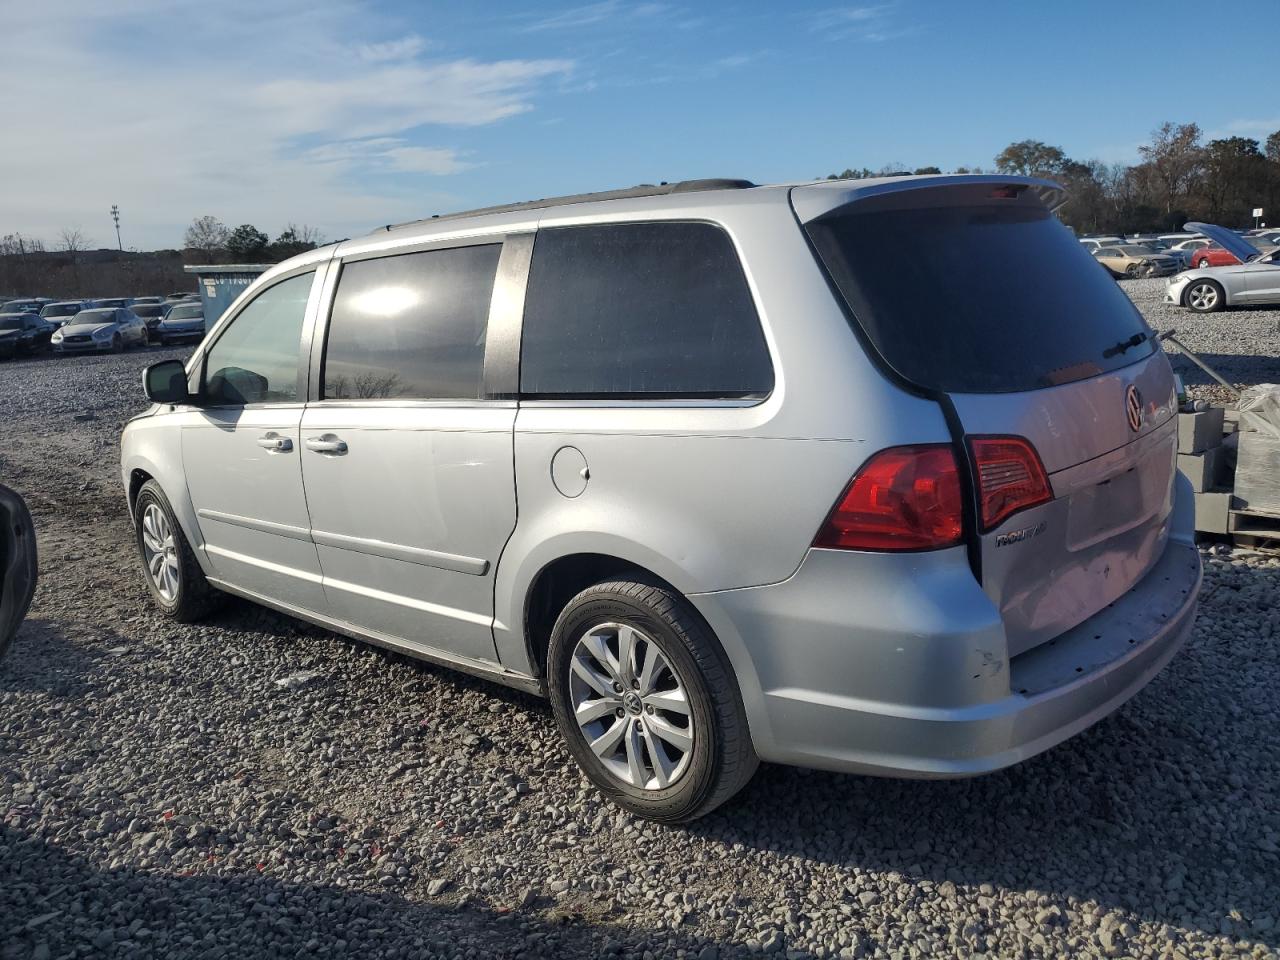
(900, 671)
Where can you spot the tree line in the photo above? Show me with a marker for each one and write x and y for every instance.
(1177, 178)
(72, 267)
(211, 240)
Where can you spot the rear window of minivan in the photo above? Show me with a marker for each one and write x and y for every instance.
(979, 297)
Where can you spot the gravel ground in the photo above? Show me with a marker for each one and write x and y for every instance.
(162, 795)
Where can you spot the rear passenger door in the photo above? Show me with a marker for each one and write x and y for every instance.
(407, 440)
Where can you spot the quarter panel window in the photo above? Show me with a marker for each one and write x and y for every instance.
(411, 326)
(255, 360)
(640, 310)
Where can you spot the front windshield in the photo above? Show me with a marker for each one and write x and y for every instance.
(10, 323)
(148, 309)
(185, 313)
(96, 316)
(60, 310)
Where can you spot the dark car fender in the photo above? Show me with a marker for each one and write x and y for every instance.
(18, 568)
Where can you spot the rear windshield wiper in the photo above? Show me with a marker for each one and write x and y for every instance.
(1123, 345)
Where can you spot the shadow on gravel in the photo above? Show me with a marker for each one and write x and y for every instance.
(61, 905)
(1234, 367)
(244, 615)
(1050, 825)
(42, 657)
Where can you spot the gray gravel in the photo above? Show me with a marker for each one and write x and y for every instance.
(1242, 345)
(257, 787)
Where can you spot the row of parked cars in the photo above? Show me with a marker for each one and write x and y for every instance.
(32, 324)
(1162, 255)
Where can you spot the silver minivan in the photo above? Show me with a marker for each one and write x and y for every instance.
(729, 473)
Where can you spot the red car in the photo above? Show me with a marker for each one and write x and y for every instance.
(1216, 256)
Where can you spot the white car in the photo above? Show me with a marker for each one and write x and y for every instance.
(110, 328)
(1255, 279)
(1094, 244)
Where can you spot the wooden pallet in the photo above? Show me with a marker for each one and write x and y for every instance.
(1255, 529)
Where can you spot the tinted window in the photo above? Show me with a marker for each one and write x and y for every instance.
(255, 360)
(640, 309)
(1000, 299)
(411, 326)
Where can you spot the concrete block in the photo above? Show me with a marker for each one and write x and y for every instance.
(1202, 469)
(1258, 472)
(1213, 512)
(1197, 432)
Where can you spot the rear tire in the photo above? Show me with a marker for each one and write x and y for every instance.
(694, 674)
(183, 594)
(1201, 264)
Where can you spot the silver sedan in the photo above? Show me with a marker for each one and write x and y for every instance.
(1255, 279)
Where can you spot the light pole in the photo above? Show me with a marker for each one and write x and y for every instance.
(115, 215)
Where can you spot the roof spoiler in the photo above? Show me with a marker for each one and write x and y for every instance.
(815, 200)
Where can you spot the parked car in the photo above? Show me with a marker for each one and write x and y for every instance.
(181, 296)
(113, 302)
(151, 314)
(22, 333)
(101, 328)
(1252, 278)
(847, 514)
(28, 305)
(138, 300)
(1217, 255)
(18, 564)
(60, 311)
(184, 321)
(1093, 244)
(1131, 260)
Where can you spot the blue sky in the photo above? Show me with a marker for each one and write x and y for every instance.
(346, 114)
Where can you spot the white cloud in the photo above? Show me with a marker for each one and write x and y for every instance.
(594, 14)
(405, 48)
(869, 24)
(1257, 129)
(388, 154)
(292, 113)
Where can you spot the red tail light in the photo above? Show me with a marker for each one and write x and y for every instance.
(1010, 477)
(903, 498)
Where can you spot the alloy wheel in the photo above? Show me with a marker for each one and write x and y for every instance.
(1203, 296)
(631, 706)
(160, 553)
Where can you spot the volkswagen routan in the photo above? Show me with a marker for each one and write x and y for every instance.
(728, 472)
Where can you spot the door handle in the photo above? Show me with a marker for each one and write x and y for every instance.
(275, 443)
(327, 444)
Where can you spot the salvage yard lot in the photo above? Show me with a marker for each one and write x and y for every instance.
(162, 794)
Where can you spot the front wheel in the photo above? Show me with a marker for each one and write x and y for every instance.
(1205, 296)
(177, 584)
(646, 699)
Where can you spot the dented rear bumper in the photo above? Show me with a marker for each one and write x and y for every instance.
(896, 666)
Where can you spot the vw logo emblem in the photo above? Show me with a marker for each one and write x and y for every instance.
(1133, 408)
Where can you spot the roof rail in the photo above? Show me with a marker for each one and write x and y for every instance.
(642, 190)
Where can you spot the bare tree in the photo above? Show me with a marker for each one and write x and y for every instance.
(1174, 157)
(207, 236)
(73, 240)
(305, 234)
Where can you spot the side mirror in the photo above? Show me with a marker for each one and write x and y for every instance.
(166, 382)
